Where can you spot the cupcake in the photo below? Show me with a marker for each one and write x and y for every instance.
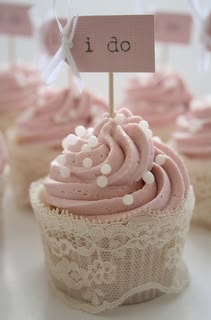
(114, 213)
(36, 138)
(18, 90)
(3, 166)
(192, 139)
(159, 98)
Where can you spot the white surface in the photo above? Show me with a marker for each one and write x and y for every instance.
(24, 292)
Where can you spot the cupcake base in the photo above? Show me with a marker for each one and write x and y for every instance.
(96, 265)
(28, 163)
(200, 175)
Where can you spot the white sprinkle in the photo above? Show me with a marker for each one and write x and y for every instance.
(87, 163)
(71, 139)
(65, 172)
(143, 124)
(65, 143)
(148, 133)
(93, 141)
(61, 160)
(80, 130)
(196, 125)
(119, 118)
(58, 119)
(157, 139)
(148, 177)
(85, 148)
(160, 159)
(102, 181)
(105, 169)
(128, 199)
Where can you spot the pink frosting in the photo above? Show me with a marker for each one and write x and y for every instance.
(130, 152)
(193, 133)
(3, 154)
(56, 114)
(18, 88)
(159, 98)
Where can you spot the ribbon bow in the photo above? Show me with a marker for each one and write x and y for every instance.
(203, 17)
(64, 53)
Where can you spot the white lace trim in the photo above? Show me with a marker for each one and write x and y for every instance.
(97, 266)
(28, 164)
(200, 174)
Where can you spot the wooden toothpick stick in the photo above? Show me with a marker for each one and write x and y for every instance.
(111, 94)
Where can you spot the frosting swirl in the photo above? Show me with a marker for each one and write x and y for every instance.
(19, 85)
(193, 133)
(159, 98)
(3, 154)
(56, 114)
(114, 168)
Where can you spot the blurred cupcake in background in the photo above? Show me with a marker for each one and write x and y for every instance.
(19, 85)
(159, 98)
(192, 139)
(37, 136)
(3, 168)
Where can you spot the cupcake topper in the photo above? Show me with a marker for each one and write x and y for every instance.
(203, 17)
(15, 20)
(170, 27)
(103, 44)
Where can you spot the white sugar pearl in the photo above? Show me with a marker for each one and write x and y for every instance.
(87, 163)
(128, 199)
(196, 104)
(105, 169)
(93, 141)
(65, 143)
(102, 181)
(71, 139)
(80, 130)
(148, 133)
(148, 177)
(61, 160)
(85, 148)
(143, 124)
(157, 139)
(119, 118)
(65, 172)
(160, 159)
(170, 84)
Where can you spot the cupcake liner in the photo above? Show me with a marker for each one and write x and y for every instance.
(200, 175)
(96, 265)
(7, 119)
(28, 163)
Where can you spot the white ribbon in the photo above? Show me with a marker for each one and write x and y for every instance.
(64, 52)
(201, 17)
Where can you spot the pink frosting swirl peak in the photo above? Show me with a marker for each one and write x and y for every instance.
(193, 133)
(159, 98)
(116, 167)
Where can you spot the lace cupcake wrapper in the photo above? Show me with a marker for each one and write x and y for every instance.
(28, 163)
(97, 265)
(200, 175)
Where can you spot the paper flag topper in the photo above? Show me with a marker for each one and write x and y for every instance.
(173, 27)
(15, 20)
(108, 43)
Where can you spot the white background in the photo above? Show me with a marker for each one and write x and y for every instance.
(24, 293)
